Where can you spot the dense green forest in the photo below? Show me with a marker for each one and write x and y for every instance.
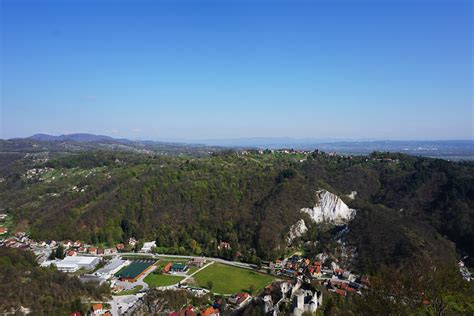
(45, 290)
(407, 206)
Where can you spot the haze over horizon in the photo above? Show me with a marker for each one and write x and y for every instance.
(218, 70)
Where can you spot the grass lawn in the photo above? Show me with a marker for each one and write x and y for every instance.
(156, 280)
(227, 279)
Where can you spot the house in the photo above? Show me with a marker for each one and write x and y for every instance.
(239, 299)
(223, 245)
(132, 241)
(167, 267)
(71, 253)
(197, 262)
(110, 251)
(278, 264)
(97, 309)
(92, 250)
(77, 244)
(188, 311)
(120, 247)
(179, 267)
(341, 292)
(148, 246)
(210, 311)
(67, 243)
(100, 251)
(3, 230)
(316, 270)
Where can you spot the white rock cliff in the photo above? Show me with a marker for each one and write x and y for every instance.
(329, 208)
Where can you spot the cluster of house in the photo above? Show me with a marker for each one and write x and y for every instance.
(235, 301)
(194, 311)
(18, 240)
(280, 151)
(296, 265)
(334, 278)
(36, 173)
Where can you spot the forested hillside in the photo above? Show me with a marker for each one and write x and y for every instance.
(407, 206)
(44, 290)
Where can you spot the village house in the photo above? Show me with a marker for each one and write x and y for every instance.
(67, 244)
(178, 267)
(197, 262)
(3, 230)
(239, 299)
(210, 311)
(120, 247)
(92, 250)
(97, 309)
(132, 241)
(223, 245)
(167, 267)
(148, 246)
(278, 264)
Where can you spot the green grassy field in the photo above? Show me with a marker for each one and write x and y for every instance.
(156, 280)
(227, 279)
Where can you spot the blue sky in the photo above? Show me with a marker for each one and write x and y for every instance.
(184, 70)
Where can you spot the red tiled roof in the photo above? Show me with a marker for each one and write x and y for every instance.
(209, 311)
(167, 267)
(96, 307)
(341, 292)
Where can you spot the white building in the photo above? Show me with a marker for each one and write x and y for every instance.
(72, 264)
(111, 268)
(148, 246)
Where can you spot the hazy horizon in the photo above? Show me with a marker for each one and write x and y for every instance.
(202, 70)
(269, 139)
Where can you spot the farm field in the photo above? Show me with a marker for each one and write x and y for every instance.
(227, 279)
(156, 280)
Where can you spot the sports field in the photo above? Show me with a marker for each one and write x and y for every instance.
(157, 280)
(228, 280)
(134, 269)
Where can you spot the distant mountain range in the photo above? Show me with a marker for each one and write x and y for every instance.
(79, 137)
(448, 149)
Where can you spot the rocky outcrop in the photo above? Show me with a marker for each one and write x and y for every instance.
(297, 230)
(329, 208)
